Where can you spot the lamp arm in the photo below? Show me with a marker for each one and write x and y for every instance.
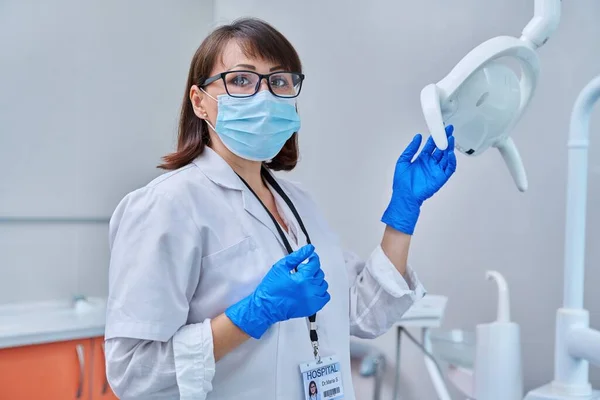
(544, 22)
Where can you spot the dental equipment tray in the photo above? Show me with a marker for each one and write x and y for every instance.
(455, 347)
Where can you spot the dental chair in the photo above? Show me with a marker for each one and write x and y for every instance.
(372, 364)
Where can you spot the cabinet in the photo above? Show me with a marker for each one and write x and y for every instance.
(100, 388)
(69, 370)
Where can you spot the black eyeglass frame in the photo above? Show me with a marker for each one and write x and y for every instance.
(222, 76)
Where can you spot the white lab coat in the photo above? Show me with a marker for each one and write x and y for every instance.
(196, 240)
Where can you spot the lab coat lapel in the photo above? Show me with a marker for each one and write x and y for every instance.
(253, 206)
(218, 171)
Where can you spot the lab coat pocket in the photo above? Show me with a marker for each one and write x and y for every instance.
(229, 275)
(229, 254)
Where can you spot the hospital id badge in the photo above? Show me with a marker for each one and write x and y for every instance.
(322, 381)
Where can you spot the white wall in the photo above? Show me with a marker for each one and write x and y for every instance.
(89, 98)
(366, 64)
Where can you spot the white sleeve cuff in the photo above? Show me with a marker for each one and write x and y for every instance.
(194, 360)
(386, 274)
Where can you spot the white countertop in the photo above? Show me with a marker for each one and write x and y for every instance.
(54, 321)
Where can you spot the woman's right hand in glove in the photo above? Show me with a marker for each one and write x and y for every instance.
(291, 289)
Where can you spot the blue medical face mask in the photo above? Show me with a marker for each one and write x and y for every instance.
(257, 127)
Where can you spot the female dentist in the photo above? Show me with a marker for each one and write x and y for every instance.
(226, 282)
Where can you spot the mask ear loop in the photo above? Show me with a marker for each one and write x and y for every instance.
(206, 93)
(206, 119)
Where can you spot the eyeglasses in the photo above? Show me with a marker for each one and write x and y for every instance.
(247, 83)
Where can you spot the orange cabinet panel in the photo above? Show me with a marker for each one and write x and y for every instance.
(100, 388)
(55, 371)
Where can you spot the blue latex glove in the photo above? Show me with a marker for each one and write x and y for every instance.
(283, 295)
(416, 181)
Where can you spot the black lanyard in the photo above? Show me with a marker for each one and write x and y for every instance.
(314, 337)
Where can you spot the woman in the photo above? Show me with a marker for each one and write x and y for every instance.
(216, 265)
(313, 393)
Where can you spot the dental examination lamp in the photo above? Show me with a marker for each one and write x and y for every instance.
(576, 345)
(484, 98)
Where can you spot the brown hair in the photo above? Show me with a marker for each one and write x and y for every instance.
(257, 39)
